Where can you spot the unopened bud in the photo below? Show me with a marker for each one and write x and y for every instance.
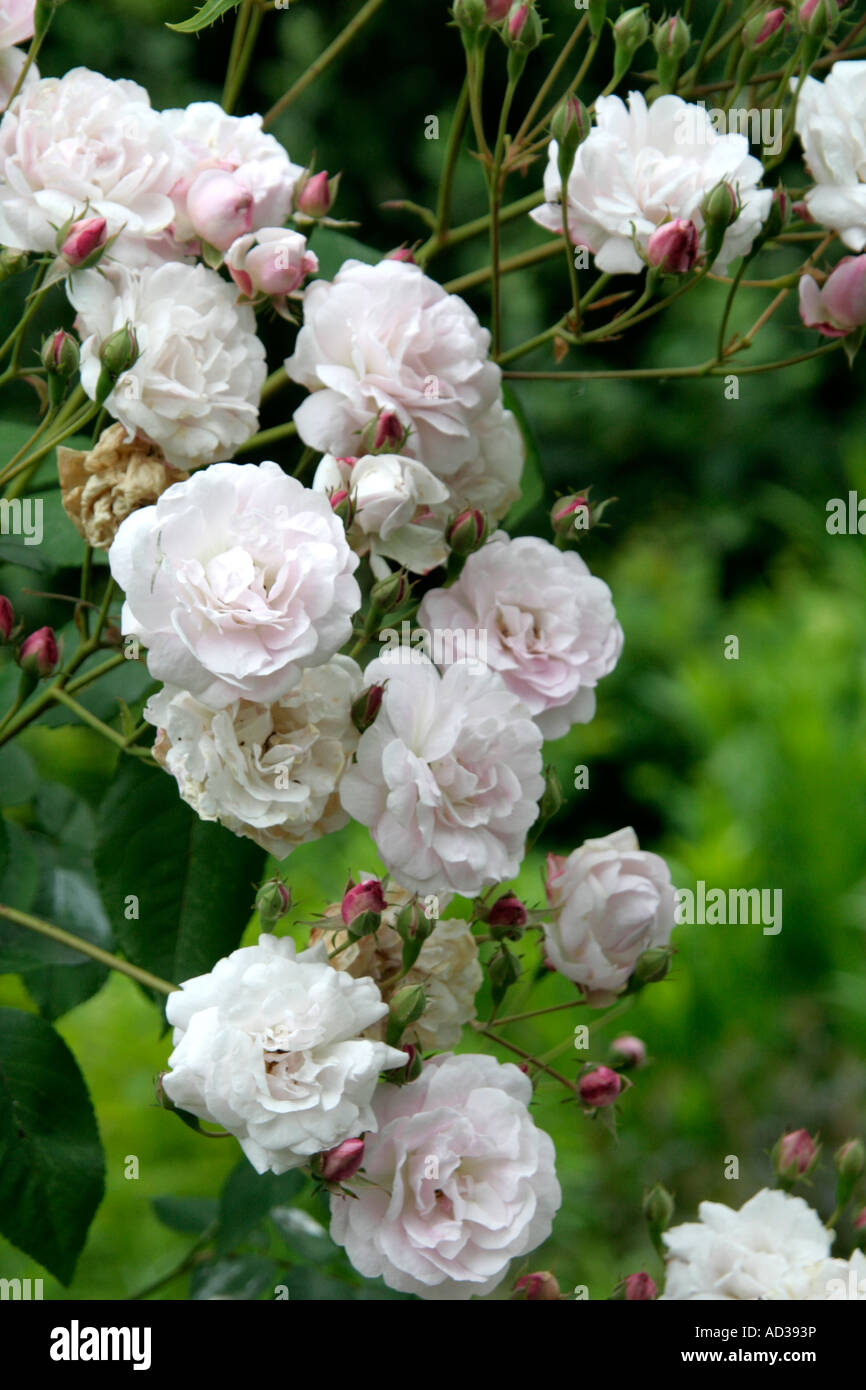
(570, 126)
(83, 241)
(630, 32)
(366, 706)
(673, 247)
(60, 354)
(551, 797)
(407, 1005)
(316, 198)
(850, 1159)
(385, 434)
(508, 911)
(7, 618)
(651, 966)
(720, 209)
(273, 901)
(540, 1287)
(658, 1208)
(12, 262)
(414, 1064)
(600, 1087)
(795, 1155)
(391, 592)
(401, 253)
(359, 898)
(342, 1163)
(627, 1052)
(38, 654)
(504, 971)
(468, 531)
(817, 18)
(117, 355)
(671, 37)
(636, 1288)
(763, 31)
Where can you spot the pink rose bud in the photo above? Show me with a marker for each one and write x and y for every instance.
(508, 911)
(414, 1063)
(342, 1163)
(839, 306)
(219, 207)
(639, 1288)
(367, 706)
(860, 1220)
(795, 1155)
(82, 239)
(388, 432)
(673, 247)
(7, 617)
(368, 896)
(272, 261)
(538, 1287)
(496, 10)
(600, 1087)
(760, 30)
(628, 1051)
(38, 654)
(60, 354)
(467, 531)
(316, 196)
(402, 253)
(342, 505)
(517, 20)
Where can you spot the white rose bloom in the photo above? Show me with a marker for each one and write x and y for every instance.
(385, 337)
(268, 1045)
(236, 580)
(831, 124)
(394, 498)
(269, 772)
(641, 166)
(458, 1181)
(448, 777)
(491, 480)
(744, 1254)
(447, 969)
(83, 142)
(551, 629)
(195, 387)
(207, 138)
(610, 902)
(830, 1281)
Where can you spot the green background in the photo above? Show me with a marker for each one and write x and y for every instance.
(743, 773)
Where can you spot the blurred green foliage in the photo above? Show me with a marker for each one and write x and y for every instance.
(743, 773)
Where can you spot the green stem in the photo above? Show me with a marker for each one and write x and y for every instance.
(35, 298)
(552, 76)
(452, 154)
(81, 712)
(86, 948)
(526, 258)
(323, 61)
(481, 224)
(726, 313)
(285, 431)
(710, 368)
(527, 1056)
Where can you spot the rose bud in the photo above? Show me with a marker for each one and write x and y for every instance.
(628, 1052)
(316, 198)
(636, 1288)
(600, 1087)
(818, 17)
(272, 261)
(83, 240)
(7, 617)
(366, 706)
(720, 209)
(60, 354)
(839, 306)
(650, 967)
(219, 207)
(467, 531)
(496, 10)
(273, 901)
(763, 31)
(407, 1005)
(860, 1220)
(391, 592)
(38, 653)
(385, 434)
(117, 355)
(508, 911)
(12, 262)
(570, 126)
(342, 505)
(412, 1070)
(795, 1155)
(359, 898)
(658, 1208)
(524, 28)
(342, 1163)
(850, 1159)
(671, 37)
(673, 247)
(401, 253)
(537, 1288)
(630, 32)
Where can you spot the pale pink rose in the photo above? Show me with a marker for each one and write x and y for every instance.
(207, 139)
(831, 124)
(551, 629)
(83, 145)
(448, 777)
(385, 337)
(16, 21)
(195, 387)
(397, 506)
(236, 580)
(457, 1182)
(219, 207)
(272, 261)
(610, 901)
(839, 306)
(642, 165)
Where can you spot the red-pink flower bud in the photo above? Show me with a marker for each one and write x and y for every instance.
(673, 247)
(541, 1286)
(628, 1051)
(368, 896)
(366, 706)
(496, 10)
(315, 198)
(401, 253)
(600, 1087)
(389, 431)
(7, 617)
(860, 1220)
(342, 1163)
(639, 1287)
(82, 239)
(795, 1155)
(38, 654)
(839, 306)
(508, 911)
(517, 20)
(467, 531)
(758, 32)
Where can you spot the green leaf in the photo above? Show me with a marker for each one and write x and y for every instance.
(18, 777)
(66, 899)
(52, 1168)
(247, 1278)
(248, 1198)
(191, 883)
(210, 11)
(532, 485)
(191, 1215)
